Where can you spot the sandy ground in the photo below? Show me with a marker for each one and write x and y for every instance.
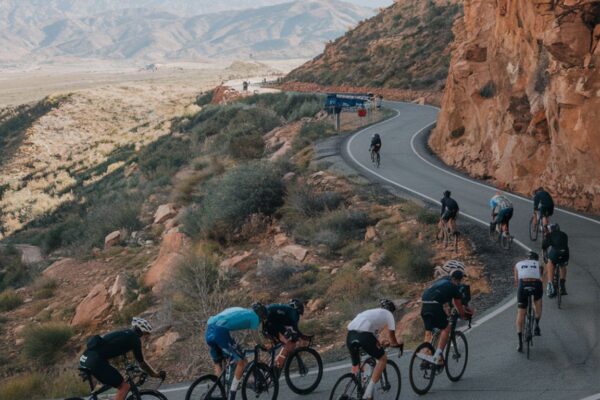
(24, 84)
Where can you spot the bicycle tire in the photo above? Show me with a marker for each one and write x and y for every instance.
(350, 389)
(557, 285)
(259, 379)
(494, 236)
(529, 325)
(505, 241)
(427, 369)
(209, 380)
(381, 389)
(145, 394)
(533, 229)
(296, 359)
(378, 160)
(454, 343)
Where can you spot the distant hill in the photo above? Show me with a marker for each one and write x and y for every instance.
(405, 46)
(294, 29)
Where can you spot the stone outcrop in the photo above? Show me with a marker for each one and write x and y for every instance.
(164, 213)
(93, 307)
(172, 252)
(112, 239)
(522, 100)
(118, 291)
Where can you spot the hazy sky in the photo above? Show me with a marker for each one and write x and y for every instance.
(372, 3)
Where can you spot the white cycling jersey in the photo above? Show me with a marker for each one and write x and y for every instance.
(528, 269)
(373, 321)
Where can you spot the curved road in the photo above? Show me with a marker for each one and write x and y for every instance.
(566, 358)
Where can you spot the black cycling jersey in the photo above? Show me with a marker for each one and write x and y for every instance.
(280, 316)
(544, 199)
(375, 141)
(557, 240)
(119, 343)
(442, 291)
(448, 203)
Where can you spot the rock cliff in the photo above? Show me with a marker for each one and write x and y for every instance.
(522, 100)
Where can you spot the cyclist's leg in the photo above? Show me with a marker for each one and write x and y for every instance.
(550, 274)
(230, 348)
(216, 354)
(108, 375)
(522, 299)
(351, 337)
(289, 339)
(537, 302)
(372, 347)
(439, 320)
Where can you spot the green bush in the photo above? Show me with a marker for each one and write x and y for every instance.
(247, 147)
(410, 260)
(427, 217)
(9, 300)
(43, 386)
(44, 288)
(291, 106)
(44, 343)
(311, 132)
(134, 309)
(12, 271)
(251, 188)
(164, 157)
(205, 98)
(349, 286)
(333, 229)
(304, 202)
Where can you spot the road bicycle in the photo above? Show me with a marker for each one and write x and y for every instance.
(134, 376)
(446, 236)
(375, 157)
(504, 238)
(303, 368)
(352, 386)
(456, 354)
(529, 319)
(535, 227)
(258, 382)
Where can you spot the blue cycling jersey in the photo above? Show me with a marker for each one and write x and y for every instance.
(499, 202)
(235, 319)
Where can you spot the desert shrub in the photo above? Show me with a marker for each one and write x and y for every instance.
(9, 300)
(333, 229)
(291, 106)
(247, 147)
(277, 273)
(12, 271)
(28, 386)
(164, 157)
(427, 217)
(311, 132)
(205, 98)
(44, 343)
(41, 386)
(409, 259)
(488, 91)
(350, 286)
(44, 288)
(303, 202)
(134, 309)
(250, 188)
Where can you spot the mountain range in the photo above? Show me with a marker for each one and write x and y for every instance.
(171, 30)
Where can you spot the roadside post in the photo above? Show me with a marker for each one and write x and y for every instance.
(335, 103)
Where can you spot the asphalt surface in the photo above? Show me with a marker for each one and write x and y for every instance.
(565, 359)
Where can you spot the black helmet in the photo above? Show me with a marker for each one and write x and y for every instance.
(457, 274)
(554, 227)
(533, 255)
(297, 305)
(260, 310)
(376, 135)
(447, 193)
(387, 305)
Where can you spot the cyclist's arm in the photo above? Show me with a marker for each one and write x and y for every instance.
(443, 207)
(139, 356)
(536, 201)
(460, 308)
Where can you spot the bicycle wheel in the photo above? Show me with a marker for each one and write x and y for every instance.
(259, 382)
(346, 388)
(303, 370)
(455, 240)
(147, 394)
(529, 325)
(494, 235)
(206, 387)
(457, 355)
(378, 160)
(421, 373)
(557, 286)
(533, 229)
(505, 241)
(390, 384)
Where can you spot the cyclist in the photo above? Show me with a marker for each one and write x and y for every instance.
(449, 211)
(375, 144)
(221, 344)
(364, 329)
(280, 324)
(557, 245)
(528, 273)
(443, 291)
(543, 206)
(100, 349)
(502, 211)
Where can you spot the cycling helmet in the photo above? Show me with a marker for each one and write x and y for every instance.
(141, 324)
(376, 135)
(297, 305)
(447, 193)
(533, 255)
(387, 305)
(260, 310)
(457, 274)
(554, 227)
(454, 265)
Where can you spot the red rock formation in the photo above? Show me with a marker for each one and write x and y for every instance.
(522, 100)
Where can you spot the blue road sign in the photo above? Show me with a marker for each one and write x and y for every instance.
(346, 100)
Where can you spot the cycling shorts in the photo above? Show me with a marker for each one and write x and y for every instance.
(522, 293)
(289, 332)
(558, 256)
(545, 211)
(504, 215)
(368, 342)
(221, 344)
(449, 214)
(376, 147)
(434, 316)
(101, 369)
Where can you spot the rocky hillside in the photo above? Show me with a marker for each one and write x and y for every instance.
(522, 97)
(405, 46)
(289, 30)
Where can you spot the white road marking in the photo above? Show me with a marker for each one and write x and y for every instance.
(593, 397)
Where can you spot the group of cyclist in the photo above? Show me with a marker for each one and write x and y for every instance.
(280, 321)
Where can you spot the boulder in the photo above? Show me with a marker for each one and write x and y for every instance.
(368, 268)
(569, 41)
(164, 212)
(295, 251)
(92, 308)
(112, 239)
(118, 292)
(315, 305)
(280, 239)
(370, 234)
(163, 343)
(234, 261)
(172, 252)
(287, 178)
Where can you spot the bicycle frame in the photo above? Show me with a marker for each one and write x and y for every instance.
(130, 369)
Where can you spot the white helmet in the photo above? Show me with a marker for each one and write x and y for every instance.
(141, 324)
(453, 265)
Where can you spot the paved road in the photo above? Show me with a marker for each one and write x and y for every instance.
(565, 360)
